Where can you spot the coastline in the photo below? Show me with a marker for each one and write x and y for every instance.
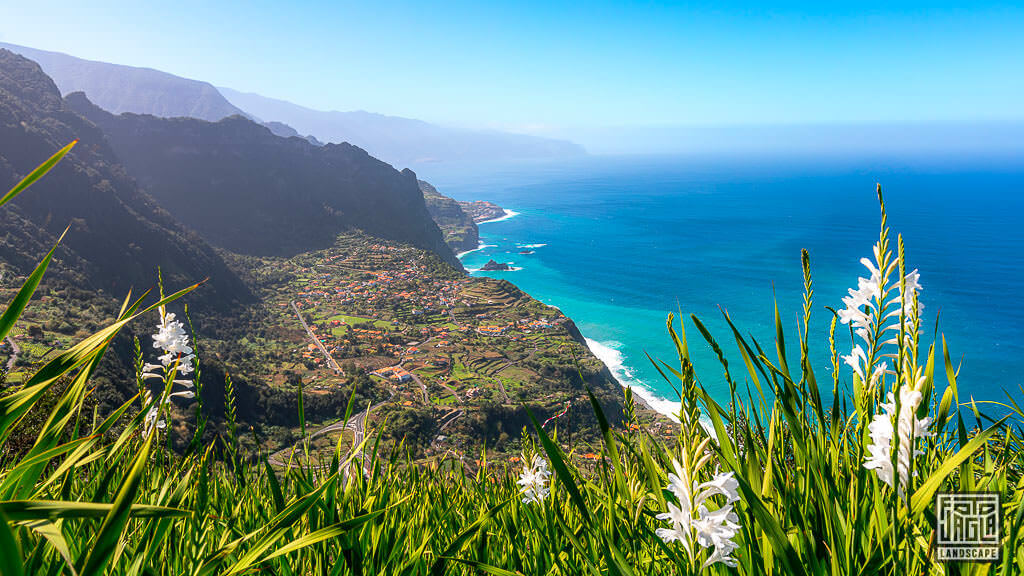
(608, 355)
(480, 246)
(613, 360)
(508, 214)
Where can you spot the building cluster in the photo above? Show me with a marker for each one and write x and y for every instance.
(396, 373)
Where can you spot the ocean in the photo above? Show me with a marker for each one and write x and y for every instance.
(618, 243)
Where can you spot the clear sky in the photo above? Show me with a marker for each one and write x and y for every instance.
(548, 67)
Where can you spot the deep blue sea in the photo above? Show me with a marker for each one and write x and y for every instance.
(620, 242)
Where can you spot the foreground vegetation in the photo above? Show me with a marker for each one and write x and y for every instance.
(775, 482)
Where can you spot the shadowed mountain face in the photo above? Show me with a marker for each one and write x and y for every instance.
(119, 236)
(402, 141)
(251, 192)
(128, 89)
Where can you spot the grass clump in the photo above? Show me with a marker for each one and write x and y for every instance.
(777, 481)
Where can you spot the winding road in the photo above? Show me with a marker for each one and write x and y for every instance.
(357, 423)
(14, 353)
(327, 355)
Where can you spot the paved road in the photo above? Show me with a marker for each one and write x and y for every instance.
(423, 388)
(457, 414)
(452, 390)
(356, 423)
(14, 353)
(327, 355)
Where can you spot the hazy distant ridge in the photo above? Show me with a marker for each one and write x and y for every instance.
(399, 140)
(118, 88)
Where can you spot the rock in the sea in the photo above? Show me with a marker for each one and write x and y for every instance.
(493, 266)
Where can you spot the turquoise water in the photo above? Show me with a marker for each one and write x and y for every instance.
(618, 243)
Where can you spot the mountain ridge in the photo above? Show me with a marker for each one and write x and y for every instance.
(119, 235)
(398, 140)
(120, 88)
(297, 196)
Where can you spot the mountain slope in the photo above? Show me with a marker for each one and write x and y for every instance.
(120, 88)
(119, 236)
(401, 141)
(251, 192)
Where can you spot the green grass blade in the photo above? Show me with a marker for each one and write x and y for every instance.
(29, 510)
(324, 534)
(21, 299)
(36, 174)
(10, 553)
(560, 468)
(106, 544)
(439, 564)
(922, 498)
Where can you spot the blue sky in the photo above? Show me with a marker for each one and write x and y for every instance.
(548, 67)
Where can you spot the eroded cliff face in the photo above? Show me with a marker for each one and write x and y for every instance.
(459, 229)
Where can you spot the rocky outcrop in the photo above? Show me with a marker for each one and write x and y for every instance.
(493, 266)
(459, 229)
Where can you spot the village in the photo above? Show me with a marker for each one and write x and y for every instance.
(461, 352)
(449, 362)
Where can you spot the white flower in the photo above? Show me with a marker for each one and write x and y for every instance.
(725, 484)
(856, 359)
(151, 414)
(533, 481)
(679, 484)
(679, 521)
(691, 521)
(907, 430)
(173, 340)
(717, 529)
(869, 307)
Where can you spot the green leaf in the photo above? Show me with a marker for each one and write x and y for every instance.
(105, 545)
(275, 486)
(767, 522)
(439, 564)
(53, 535)
(10, 553)
(37, 173)
(923, 496)
(27, 510)
(560, 468)
(324, 534)
(276, 529)
(20, 302)
(484, 567)
(780, 344)
(609, 440)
